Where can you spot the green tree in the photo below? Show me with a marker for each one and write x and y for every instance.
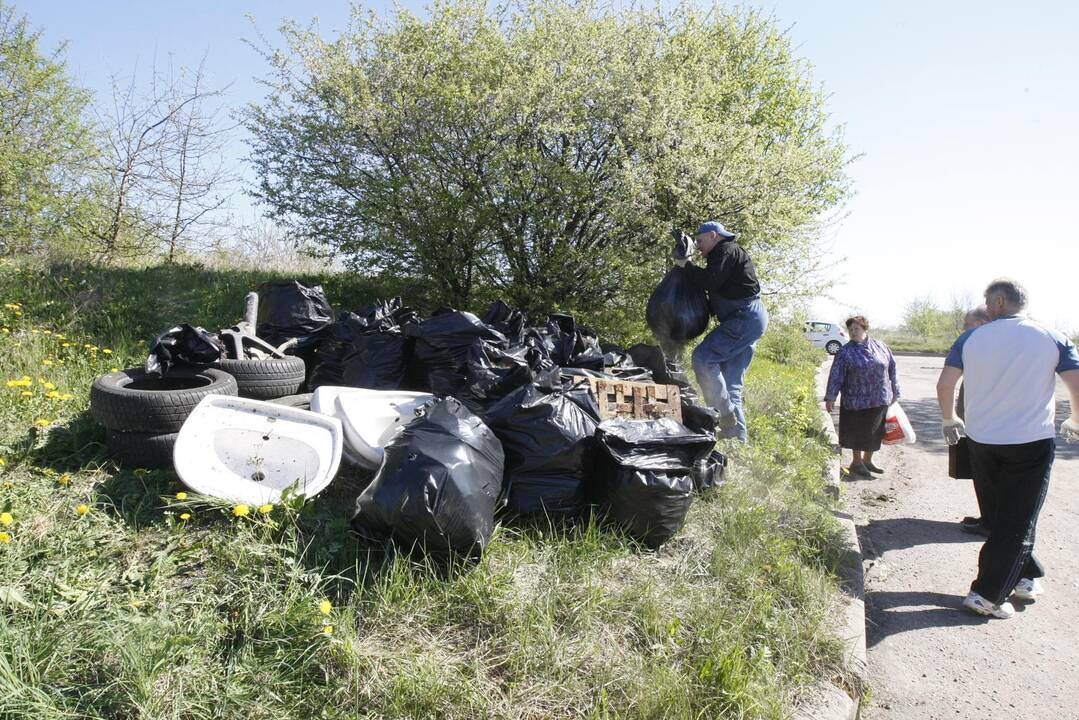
(46, 147)
(543, 152)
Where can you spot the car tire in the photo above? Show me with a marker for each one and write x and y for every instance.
(141, 450)
(267, 379)
(832, 347)
(133, 400)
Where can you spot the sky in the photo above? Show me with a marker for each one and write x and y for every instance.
(963, 117)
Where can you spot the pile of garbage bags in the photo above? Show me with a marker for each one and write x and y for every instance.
(514, 430)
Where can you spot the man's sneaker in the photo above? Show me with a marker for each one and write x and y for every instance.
(1028, 589)
(976, 603)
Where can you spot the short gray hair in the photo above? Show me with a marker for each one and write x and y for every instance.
(980, 314)
(1012, 292)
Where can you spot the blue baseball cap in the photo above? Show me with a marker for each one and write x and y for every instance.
(716, 227)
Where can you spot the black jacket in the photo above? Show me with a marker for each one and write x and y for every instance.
(729, 274)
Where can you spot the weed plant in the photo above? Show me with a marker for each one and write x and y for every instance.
(123, 596)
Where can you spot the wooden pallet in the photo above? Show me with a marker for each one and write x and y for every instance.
(637, 400)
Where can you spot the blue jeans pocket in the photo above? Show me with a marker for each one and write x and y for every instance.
(734, 327)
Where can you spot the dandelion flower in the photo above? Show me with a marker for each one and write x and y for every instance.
(55, 395)
(5, 537)
(114, 369)
(185, 516)
(327, 629)
(241, 511)
(64, 479)
(107, 351)
(3, 462)
(181, 495)
(42, 422)
(325, 607)
(48, 386)
(47, 363)
(6, 519)
(266, 509)
(66, 396)
(82, 509)
(67, 344)
(26, 393)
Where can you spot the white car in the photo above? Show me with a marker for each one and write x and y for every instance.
(829, 336)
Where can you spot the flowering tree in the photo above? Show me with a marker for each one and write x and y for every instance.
(544, 153)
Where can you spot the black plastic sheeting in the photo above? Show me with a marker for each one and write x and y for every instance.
(289, 309)
(644, 469)
(677, 311)
(183, 345)
(438, 485)
(548, 439)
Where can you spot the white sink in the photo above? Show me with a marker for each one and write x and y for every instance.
(370, 418)
(249, 451)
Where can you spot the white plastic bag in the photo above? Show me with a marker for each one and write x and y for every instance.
(897, 427)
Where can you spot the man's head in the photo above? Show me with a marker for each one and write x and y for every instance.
(1004, 297)
(976, 318)
(710, 234)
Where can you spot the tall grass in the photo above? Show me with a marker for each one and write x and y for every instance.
(154, 606)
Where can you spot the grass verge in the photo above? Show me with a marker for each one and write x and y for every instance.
(120, 597)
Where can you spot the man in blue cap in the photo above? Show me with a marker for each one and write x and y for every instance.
(722, 358)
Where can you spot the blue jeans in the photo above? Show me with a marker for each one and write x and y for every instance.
(721, 360)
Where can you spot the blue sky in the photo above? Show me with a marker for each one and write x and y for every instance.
(965, 115)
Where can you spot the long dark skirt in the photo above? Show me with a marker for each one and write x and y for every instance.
(861, 429)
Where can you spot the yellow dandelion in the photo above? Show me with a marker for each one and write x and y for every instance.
(106, 351)
(327, 629)
(33, 331)
(6, 519)
(64, 479)
(114, 369)
(46, 332)
(53, 394)
(241, 510)
(48, 386)
(181, 495)
(325, 607)
(67, 344)
(82, 509)
(66, 396)
(47, 363)
(136, 604)
(8, 485)
(3, 462)
(26, 393)
(185, 516)
(5, 537)
(266, 509)
(42, 422)
(7, 331)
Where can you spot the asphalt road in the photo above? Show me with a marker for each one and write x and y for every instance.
(929, 658)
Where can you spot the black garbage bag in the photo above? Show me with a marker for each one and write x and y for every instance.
(507, 320)
(334, 344)
(709, 472)
(288, 309)
(183, 345)
(445, 344)
(364, 349)
(677, 311)
(571, 345)
(438, 485)
(548, 439)
(491, 373)
(644, 472)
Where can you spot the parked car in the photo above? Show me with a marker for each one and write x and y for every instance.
(829, 336)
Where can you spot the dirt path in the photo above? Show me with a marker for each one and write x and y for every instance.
(928, 658)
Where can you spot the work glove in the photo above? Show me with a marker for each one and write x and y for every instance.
(682, 247)
(953, 430)
(1069, 430)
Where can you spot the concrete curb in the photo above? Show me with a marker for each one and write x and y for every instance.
(829, 701)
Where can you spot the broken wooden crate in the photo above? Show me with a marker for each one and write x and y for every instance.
(637, 400)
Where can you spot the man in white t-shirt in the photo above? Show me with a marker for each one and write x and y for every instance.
(1009, 368)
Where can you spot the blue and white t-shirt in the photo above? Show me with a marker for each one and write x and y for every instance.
(1009, 372)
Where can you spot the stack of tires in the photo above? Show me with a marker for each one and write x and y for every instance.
(266, 379)
(142, 413)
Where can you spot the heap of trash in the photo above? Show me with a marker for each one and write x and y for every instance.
(460, 418)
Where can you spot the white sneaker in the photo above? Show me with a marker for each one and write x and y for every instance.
(1028, 589)
(976, 603)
